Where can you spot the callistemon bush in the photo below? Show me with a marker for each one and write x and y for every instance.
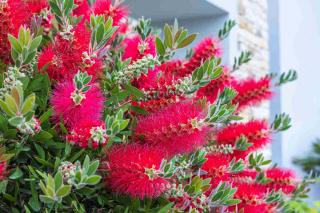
(98, 115)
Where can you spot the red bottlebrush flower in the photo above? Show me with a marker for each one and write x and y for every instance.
(246, 176)
(82, 37)
(21, 12)
(159, 90)
(281, 179)
(5, 27)
(252, 199)
(216, 167)
(83, 9)
(118, 12)
(252, 92)
(135, 48)
(206, 49)
(88, 134)
(3, 168)
(263, 207)
(94, 67)
(47, 62)
(90, 108)
(257, 133)
(133, 171)
(18, 14)
(64, 58)
(210, 91)
(173, 67)
(148, 81)
(173, 128)
(35, 6)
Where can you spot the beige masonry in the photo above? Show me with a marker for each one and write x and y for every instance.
(253, 36)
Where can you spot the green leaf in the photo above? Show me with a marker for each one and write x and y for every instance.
(16, 174)
(134, 91)
(6, 108)
(40, 151)
(93, 179)
(11, 103)
(166, 208)
(85, 89)
(45, 116)
(44, 162)
(86, 163)
(100, 33)
(168, 40)
(55, 9)
(76, 155)
(27, 209)
(93, 167)
(42, 136)
(50, 182)
(63, 191)
(16, 121)
(138, 110)
(28, 104)
(185, 42)
(15, 43)
(46, 199)
(35, 43)
(124, 124)
(160, 47)
(232, 202)
(68, 6)
(29, 58)
(17, 94)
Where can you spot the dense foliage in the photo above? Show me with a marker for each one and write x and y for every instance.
(97, 115)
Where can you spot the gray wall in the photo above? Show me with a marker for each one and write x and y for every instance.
(205, 17)
(299, 48)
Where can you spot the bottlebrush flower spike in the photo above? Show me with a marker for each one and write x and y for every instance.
(246, 176)
(82, 9)
(159, 90)
(35, 6)
(206, 49)
(174, 128)
(64, 58)
(21, 12)
(89, 108)
(252, 199)
(210, 91)
(281, 179)
(216, 167)
(132, 170)
(89, 134)
(118, 12)
(252, 92)
(257, 132)
(174, 68)
(5, 27)
(135, 48)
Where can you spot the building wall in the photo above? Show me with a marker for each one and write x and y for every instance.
(299, 45)
(253, 36)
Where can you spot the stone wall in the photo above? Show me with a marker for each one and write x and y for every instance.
(253, 36)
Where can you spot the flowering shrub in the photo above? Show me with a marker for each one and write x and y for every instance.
(98, 116)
